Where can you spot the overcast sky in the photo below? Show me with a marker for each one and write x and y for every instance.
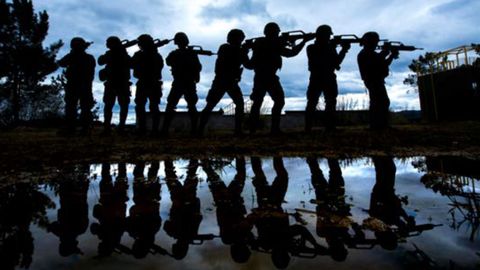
(431, 24)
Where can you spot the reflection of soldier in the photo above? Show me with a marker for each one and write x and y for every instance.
(231, 210)
(72, 217)
(20, 205)
(185, 216)
(323, 60)
(374, 69)
(80, 73)
(111, 210)
(332, 210)
(266, 60)
(228, 73)
(385, 205)
(275, 234)
(147, 68)
(116, 75)
(144, 220)
(186, 69)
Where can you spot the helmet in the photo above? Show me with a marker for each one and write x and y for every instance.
(145, 41)
(113, 42)
(324, 30)
(78, 43)
(271, 28)
(235, 36)
(370, 38)
(181, 39)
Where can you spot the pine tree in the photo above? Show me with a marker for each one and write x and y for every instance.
(25, 63)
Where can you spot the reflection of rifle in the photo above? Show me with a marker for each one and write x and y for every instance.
(417, 229)
(200, 238)
(397, 46)
(345, 39)
(200, 51)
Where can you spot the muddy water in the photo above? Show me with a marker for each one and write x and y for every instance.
(244, 213)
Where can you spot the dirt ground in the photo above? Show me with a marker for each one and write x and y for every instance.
(31, 147)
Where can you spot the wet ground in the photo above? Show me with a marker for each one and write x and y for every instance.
(244, 213)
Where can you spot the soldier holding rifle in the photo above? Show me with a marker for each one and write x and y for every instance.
(116, 76)
(147, 68)
(266, 61)
(323, 60)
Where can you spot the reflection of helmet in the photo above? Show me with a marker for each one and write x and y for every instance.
(78, 43)
(180, 249)
(240, 252)
(181, 39)
(145, 41)
(271, 29)
(235, 36)
(113, 42)
(369, 38)
(324, 30)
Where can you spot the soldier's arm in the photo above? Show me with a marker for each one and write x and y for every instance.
(293, 51)
(64, 61)
(170, 59)
(246, 60)
(342, 54)
(102, 60)
(92, 67)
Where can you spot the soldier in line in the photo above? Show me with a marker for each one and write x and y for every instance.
(147, 68)
(374, 68)
(265, 61)
(116, 76)
(80, 71)
(323, 60)
(186, 69)
(228, 73)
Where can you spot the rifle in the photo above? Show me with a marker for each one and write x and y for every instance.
(397, 46)
(161, 42)
(129, 43)
(200, 51)
(417, 229)
(289, 38)
(344, 39)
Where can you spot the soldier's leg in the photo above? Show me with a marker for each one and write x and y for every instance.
(154, 97)
(109, 102)
(214, 95)
(278, 98)
(192, 99)
(331, 93)
(86, 105)
(71, 102)
(258, 93)
(313, 94)
(172, 101)
(124, 102)
(237, 97)
(140, 102)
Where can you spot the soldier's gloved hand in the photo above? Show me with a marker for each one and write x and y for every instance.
(395, 53)
(346, 46)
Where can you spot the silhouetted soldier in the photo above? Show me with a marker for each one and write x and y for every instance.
(265, 61)
(323, 60)
(21, 204)
(72, 217)
(185, 216)
(144, 221)
(111, 210)
(80, 72)
(228, 73)
(116, 76)
(147, 68)
(374, 68)
(186, 69)
(332, 210)
(231, 210)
